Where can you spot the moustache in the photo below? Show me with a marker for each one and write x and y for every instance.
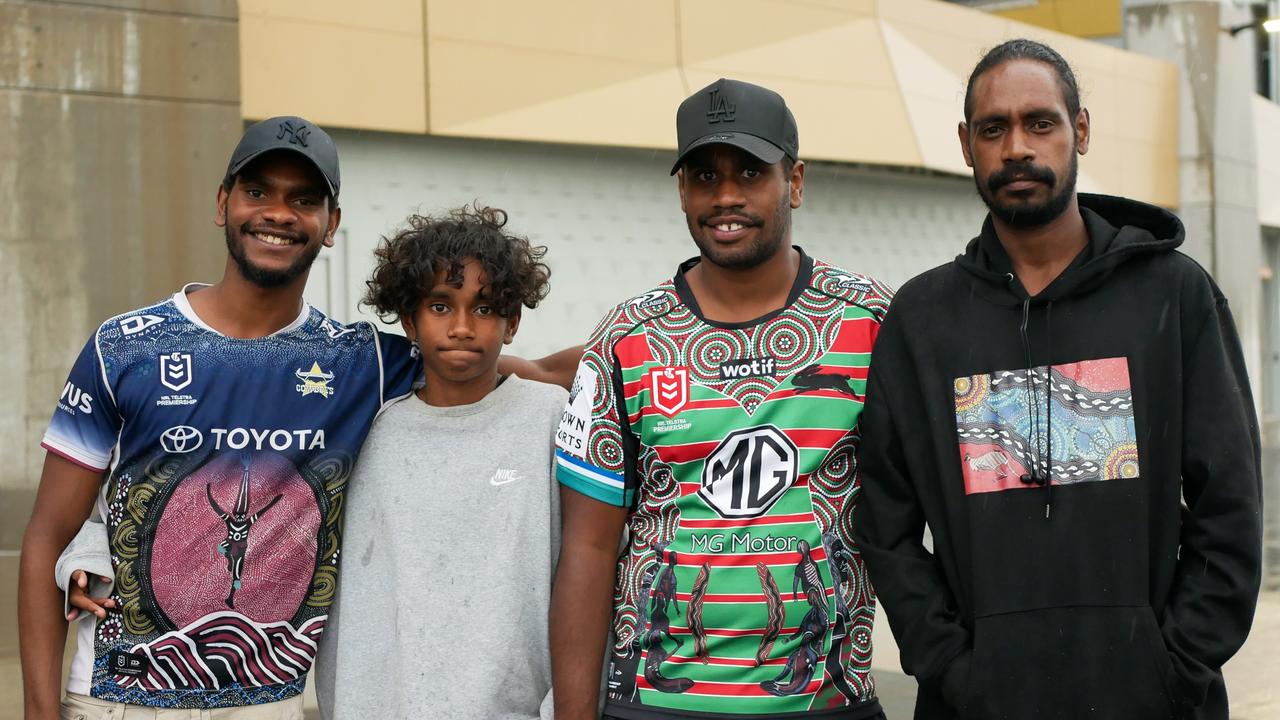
(1020, 171)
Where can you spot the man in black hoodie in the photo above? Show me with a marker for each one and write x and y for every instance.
(1065, 406)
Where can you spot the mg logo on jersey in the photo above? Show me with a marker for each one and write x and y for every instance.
(669, 389)
(181, 439)
(175, 370)
(748, 471)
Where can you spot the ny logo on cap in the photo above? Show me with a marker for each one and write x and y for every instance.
(297, 136)
(721, 109)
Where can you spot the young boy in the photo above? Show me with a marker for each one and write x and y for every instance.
(452, 518)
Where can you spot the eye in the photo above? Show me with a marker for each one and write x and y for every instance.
(751, 173)
(438, 308)
(705, 176)
(484, 310)
(308, 201)
(254, 193)
(991, 131)
(1042, 125)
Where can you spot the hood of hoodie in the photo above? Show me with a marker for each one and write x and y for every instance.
(1119, 229)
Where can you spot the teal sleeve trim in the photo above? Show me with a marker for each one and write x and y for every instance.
(591, 488)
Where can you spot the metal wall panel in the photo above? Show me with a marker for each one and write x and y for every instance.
(612, 222)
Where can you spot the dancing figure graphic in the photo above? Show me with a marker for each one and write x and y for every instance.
(802, 663)
(238, 521)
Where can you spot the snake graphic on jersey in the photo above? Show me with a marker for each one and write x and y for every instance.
(238, 521)
(732, 446)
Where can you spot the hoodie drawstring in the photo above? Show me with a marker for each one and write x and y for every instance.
(1048, 409)
(1042, 478)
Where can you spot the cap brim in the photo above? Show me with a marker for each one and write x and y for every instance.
(244, 162)
(762, 149)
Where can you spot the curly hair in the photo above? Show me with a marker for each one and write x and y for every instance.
(409, 261)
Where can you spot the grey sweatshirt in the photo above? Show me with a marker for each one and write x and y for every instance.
(452, 531)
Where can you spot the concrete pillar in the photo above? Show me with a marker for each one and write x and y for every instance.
(116, 120)
(1217, 152)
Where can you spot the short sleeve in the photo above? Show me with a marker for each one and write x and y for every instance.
(86, 423)
(401, 365)
(590, 455)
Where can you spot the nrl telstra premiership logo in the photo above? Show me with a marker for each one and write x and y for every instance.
(669, 389)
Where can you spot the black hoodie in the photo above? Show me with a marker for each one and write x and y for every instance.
(1099, 594)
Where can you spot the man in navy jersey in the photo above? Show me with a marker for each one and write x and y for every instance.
(173, 418)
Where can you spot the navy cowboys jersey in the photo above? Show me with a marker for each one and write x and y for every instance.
(226, 465)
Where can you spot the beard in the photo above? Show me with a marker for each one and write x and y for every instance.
(262, 277)
(766, 244)
(1026, 215)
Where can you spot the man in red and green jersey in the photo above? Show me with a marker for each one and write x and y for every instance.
(715, 419)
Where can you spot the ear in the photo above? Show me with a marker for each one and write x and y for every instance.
(220, 207)
(409, 331)
(1082, 131)
(962, 131)
(513, 324)
(335, 218)
(680, 188)
(797, 184)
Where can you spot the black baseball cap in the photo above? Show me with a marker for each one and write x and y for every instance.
(737, 113)
(291, 133)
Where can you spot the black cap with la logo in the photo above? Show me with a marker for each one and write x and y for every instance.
(290, 133)
(737, 113)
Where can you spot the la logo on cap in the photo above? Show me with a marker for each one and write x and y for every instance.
(721, 109)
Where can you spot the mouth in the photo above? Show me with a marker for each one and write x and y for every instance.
(276, 239)
(728, 229)
(1021, 184)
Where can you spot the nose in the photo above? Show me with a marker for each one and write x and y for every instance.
(279, 212)
(728, 192)
(461, 328)
(1016, 148)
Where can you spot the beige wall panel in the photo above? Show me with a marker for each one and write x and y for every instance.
(396, 16)
(1266, 122)
(1087, 18)
(955, 35)
(462, 74)
(1148, 173)
(849, 124)
(592, 117)
(1146, 111)
(640, 32)
(934, 97)
(852, 7)
(74, 48)
(850, 53)
(712, 28)
(333, 75)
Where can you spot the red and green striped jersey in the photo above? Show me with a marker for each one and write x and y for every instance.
(740, 591)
